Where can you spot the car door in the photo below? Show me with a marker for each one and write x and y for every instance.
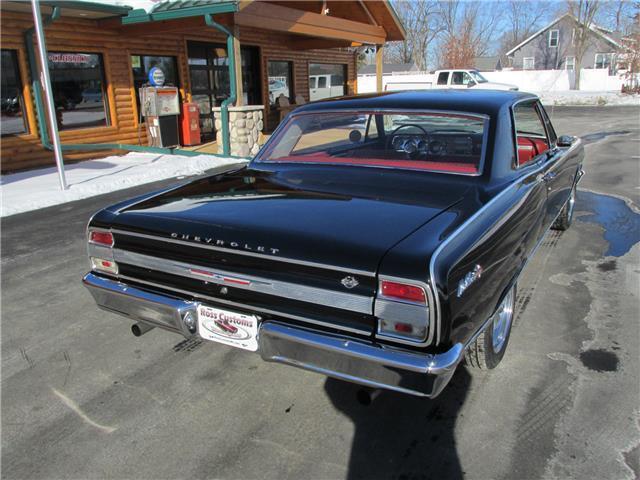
(561, 173)
(536, 151)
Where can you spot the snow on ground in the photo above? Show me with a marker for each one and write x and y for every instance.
(35, 189)
(575, 97)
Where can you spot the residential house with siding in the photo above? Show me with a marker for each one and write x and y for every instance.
(554, 48)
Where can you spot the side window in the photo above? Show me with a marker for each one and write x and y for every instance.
(551, 132)
(456, 79)
(466, 79)
(312, 82)
(372, 128)
(531, 135)
(322, 82)
(443, 78)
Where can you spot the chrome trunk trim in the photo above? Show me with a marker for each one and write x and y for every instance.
(293, 291)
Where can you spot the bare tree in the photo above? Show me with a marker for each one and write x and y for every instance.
(421, 20)
(469, 29)
(584, 12)
(523, 19)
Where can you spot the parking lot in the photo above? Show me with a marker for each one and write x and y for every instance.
(83, 398)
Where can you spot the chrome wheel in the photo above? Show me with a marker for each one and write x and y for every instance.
(502, 322)
(572, 202)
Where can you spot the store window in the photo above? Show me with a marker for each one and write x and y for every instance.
(77, 81)
(326, 80)
(142, 64)
(280, 80)
(13, 121)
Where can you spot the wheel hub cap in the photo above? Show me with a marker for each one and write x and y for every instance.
(502, 322)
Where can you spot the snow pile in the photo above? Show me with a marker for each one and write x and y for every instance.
(574, 97)
(35, 189)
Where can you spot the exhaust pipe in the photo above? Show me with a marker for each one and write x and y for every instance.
(140, 328)
(365, 396)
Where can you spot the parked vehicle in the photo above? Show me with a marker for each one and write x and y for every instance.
(383, 253)
(325, 86)
(455, 78)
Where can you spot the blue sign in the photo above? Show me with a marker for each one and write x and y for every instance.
(156, 77)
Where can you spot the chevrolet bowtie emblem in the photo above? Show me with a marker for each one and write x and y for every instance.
(350, 282)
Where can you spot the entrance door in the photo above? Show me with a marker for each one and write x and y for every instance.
(209, 72)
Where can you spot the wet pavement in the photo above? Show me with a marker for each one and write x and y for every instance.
(83, 398)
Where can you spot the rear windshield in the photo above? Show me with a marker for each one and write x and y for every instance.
(441, 142)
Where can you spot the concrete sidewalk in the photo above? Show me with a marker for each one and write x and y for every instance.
(35, 189)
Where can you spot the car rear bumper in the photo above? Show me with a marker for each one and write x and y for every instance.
(337, 356)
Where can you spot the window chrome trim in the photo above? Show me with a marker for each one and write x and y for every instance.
(249, 254)
(293, 291)
(248, 307)
(373, 111)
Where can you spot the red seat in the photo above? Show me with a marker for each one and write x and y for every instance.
(529, 148)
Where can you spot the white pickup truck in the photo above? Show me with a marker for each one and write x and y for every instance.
(454, 78)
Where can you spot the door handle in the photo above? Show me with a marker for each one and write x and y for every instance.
(549, 176)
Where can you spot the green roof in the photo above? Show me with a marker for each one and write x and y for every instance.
(172, 9)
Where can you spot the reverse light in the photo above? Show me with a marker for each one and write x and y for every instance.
(104, 265)
(101, 238)
(403, 291)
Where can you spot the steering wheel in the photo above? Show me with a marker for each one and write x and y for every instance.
(394, 133)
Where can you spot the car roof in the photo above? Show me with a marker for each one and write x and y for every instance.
(487, 102)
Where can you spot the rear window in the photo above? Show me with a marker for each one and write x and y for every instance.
(435, 141)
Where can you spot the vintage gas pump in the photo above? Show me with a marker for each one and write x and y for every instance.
(190, 124)
(160, 106)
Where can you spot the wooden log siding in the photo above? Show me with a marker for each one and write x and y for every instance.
(79, 35)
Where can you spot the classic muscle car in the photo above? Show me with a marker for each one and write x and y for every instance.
(377, 239)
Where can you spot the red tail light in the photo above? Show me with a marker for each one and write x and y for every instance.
(101, 238)
(403, 291)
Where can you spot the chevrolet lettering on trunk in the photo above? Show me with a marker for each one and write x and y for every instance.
(377, 239)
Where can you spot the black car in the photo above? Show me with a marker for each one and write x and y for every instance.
(377, 239)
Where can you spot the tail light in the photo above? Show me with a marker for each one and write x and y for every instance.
(100, 237)
(104, 265)
(403, 291)
(402, 310)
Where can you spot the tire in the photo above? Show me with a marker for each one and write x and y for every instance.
(486, 352)
(565, 218)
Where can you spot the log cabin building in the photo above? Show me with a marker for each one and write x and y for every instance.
(100, 53)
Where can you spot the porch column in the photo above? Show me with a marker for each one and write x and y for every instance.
(236, 51)
(379, 55)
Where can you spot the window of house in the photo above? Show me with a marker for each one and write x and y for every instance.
(13, 120)
(570, 63)
(554, 36)
(142, 64)
(280, 80)
(77, 81)
(603, 60)
(329, 79)
(530, 132)
(443, 78)
(528, 63)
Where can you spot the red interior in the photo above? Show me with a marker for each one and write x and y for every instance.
(529, 148)
(324, 157)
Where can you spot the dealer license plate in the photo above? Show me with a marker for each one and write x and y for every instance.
(230, 328)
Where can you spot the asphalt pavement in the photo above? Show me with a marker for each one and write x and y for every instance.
(83, 398)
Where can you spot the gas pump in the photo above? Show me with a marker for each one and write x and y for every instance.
(160, 106)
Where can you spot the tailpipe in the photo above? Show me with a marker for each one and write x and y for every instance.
(140, 328)
(366, 395)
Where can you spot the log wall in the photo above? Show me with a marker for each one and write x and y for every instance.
(25, 151)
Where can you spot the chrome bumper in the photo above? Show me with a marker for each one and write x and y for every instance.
(353, 360)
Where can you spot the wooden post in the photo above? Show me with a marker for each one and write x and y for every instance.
(379, 55)
(236, 49)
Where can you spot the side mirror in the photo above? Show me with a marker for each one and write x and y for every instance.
(566, 140)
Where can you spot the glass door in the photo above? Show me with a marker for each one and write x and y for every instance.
(209, 72)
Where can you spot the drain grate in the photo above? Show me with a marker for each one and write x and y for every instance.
(188, 345)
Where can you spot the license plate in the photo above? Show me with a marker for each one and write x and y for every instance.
(230, 328)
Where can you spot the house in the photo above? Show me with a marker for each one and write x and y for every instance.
(388, 69)
(554, 47)
(487, 64)
(100, 52)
